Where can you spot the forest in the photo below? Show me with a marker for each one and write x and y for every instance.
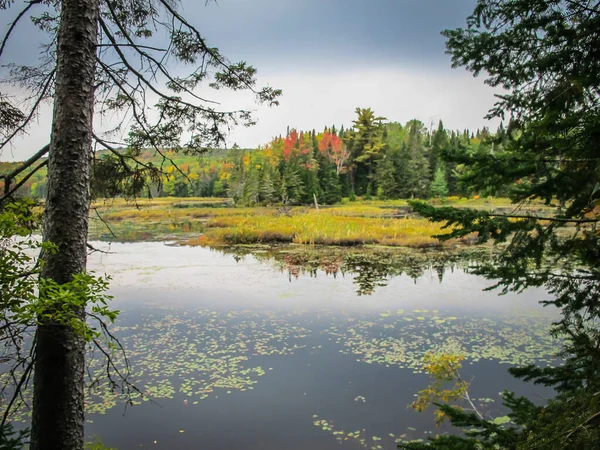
(371, 159)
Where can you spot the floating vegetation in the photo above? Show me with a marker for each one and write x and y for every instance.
(188, 356)
(192, 355)
(362, 437)
(508, 339)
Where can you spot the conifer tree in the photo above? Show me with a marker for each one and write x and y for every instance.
(438, 146)
(417, 166)
(544, 54)
(439, 186)
(365, 142)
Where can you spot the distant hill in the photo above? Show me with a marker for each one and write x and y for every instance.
(36, 185)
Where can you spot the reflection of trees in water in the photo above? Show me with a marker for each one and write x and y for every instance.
(371, 268)
(376, 270)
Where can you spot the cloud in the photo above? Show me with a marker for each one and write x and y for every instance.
(329, 57)
(353, 31)
(316, 99)
(313, 100)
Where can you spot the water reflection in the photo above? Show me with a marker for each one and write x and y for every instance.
(266, 349)
(371, 268)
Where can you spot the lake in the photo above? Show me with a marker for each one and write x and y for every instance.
(234, 352)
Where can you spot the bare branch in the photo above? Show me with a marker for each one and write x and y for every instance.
(140, 122)
(158, 64)
(93, 249)
(39, 100)
(193, 29)
(147, 82)
(134, 45)
(14, 23)
(23, 379)
(105, 223)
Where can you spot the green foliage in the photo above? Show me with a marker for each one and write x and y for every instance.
(366, 142)
(26, 299)
(96, 444)
(439, 186)
(60, 303)
(544, 54)
(446, 385)
(11, 439)
(18, 266)
(388, 175)
(417, 165)
(387, 159)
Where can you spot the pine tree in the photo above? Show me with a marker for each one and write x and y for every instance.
(266, 190)
(250, 190)
(545, 55)
(365, 142)
(439, 186)
(387, 175)
(329, 184)
(438, 146)
(417, 166)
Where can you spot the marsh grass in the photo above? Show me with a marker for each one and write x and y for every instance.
(141, 203)
(318, 229)
(216, 222)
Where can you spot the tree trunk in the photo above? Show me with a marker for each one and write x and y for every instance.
(58, 411)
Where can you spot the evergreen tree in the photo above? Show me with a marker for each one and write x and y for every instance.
(439, 186)
(291, 186)
(388, 175)
(250, 190)
(439, 143)
(417, 166)
(365, 142)
(545, 55)
(266, 190)
(311, 186)
(330, 191)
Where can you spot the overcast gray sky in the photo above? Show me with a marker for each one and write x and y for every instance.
(328, 56)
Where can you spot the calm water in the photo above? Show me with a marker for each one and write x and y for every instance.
(238, 354)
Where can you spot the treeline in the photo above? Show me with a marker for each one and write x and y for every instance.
(373, 159)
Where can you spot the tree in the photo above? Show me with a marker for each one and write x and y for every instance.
(96, 60)
(417, 165)
(544, 53)
(335, 150)
(366, 142)
(439, 186)
(438, 145)
(387, 174)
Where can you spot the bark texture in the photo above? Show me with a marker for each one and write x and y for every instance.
(58, 402)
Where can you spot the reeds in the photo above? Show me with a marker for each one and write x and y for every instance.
(318, 229)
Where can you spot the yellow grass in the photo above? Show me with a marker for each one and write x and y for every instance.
(158, 201)
(314, 228)
(350, 223)
(175, 214)
(359, 210)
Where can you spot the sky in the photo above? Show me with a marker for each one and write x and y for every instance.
(329, 57)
